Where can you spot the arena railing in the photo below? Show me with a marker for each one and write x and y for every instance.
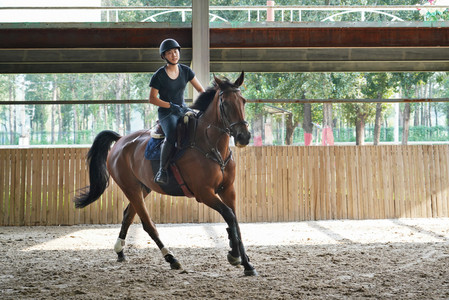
(289, 13)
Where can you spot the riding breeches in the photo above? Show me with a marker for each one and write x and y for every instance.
(168, 120)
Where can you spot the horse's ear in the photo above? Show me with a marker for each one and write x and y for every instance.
(218, 81)
(239, 80)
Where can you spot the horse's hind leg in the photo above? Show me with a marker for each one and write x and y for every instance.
(136, 199)
(128, 217)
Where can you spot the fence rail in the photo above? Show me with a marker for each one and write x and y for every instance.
(145, 101)
(273, 184)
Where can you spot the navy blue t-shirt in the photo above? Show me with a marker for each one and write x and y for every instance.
(172, 90)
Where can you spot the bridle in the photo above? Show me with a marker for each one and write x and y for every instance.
(228, 126)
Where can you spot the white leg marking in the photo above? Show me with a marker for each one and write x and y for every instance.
(165, 252)
(118, 247)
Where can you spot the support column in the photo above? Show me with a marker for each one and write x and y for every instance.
(200, 42)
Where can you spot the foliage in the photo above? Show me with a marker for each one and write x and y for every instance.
(47, 121)
(435, 14)
(441, 90)
(417, 134)
(95, 117)
(350, 87)
(5, 82)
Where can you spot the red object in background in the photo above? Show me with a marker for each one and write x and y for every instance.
(328, 137)
(307, 139)
(270, 11)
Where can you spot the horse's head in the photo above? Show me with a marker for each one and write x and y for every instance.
(232, 110)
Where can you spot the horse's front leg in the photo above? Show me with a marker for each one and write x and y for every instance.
(237, 255)
(234, 254)
(236, 244)
(229, 198)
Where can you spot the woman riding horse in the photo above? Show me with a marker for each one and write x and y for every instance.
(206, 166)
(169, 82)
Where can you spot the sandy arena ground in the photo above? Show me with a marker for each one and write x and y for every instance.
(374, 259)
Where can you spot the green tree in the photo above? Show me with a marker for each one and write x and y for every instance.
(140, 90)
(378, 86)
(442, 91)
(256, 86)
(37, 88)
(355, 113)
(409, 83)
(8, 116)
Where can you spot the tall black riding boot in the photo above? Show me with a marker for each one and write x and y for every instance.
(162, 176)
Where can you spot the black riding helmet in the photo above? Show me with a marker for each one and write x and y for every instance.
(166, 45)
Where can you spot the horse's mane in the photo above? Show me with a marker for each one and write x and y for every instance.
(204, 99)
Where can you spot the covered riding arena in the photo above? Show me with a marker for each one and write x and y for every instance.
(318, 222)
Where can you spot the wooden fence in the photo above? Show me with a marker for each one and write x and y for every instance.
(273, 183)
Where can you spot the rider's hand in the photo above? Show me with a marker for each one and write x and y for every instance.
(174, 108)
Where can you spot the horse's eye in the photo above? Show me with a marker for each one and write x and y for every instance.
(226, 104)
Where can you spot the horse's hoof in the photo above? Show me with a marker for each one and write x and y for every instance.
(174, 263)
(251, 272)
(121, 256)
(176, 266)
(235, 261)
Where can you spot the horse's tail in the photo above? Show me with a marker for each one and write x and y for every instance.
(98, 173)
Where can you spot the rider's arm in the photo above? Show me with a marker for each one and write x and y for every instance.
(154, 99)
(197, 85)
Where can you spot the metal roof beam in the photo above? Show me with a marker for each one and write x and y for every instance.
(318, 48)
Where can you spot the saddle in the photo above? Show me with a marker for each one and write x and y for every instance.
(185, 130)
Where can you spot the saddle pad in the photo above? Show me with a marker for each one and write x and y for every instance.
(153, 149)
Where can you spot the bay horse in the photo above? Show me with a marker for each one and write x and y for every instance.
(207, 168)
